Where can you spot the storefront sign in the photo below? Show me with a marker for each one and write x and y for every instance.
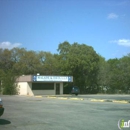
(53, 78)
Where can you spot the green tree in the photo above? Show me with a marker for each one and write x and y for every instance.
(16, 56)
(28, 63)
(1, 77)
(125, 73)
(80, 61)
(8, 85)
(48, 63)
(103, 74)
(64, 51)
(115, 75)
(5, 60)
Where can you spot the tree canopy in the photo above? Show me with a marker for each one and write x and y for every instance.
(91, 72)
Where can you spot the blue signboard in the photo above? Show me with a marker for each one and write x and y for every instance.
(41, 78)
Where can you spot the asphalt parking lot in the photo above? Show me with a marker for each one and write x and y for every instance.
(33, 113)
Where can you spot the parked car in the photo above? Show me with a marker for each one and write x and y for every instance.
(1, 107)
(75, 90)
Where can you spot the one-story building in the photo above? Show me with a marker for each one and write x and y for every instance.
(41, 84)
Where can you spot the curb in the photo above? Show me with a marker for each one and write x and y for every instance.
(38, 96)
(76, 99)
(97, 100)
(64, 98)
(123, 101)
(90, 99)
(50, 97)
(114, 101)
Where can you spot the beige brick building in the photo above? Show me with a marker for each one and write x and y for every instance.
(42, 84)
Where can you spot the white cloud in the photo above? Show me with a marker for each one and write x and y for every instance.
(8, 45)
(112, 16)
(122, 42)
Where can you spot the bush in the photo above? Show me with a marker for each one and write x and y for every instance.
(9, 87)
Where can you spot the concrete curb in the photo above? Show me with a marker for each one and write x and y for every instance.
(50, 97)
(106, 100)
(38, 96)
(89, 99)
(76, 99)
(97, 100)
(123, 101)
(64, 98)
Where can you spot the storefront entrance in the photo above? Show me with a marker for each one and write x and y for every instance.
(57, 88)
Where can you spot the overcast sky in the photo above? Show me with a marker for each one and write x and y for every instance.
(43, 24)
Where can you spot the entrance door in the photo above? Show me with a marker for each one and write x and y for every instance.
(57, 88)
